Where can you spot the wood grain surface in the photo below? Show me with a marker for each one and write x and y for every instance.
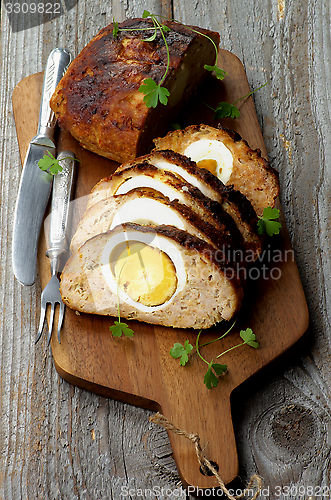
(141, 372)
(62, 442)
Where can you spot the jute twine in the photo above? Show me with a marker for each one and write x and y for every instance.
(203, 461)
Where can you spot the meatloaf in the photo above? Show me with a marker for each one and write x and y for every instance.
(147, 206)
(98, 100)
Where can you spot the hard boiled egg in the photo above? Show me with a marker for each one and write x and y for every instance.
(212, 155)
(146, 271)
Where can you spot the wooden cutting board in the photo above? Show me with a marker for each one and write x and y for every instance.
(140, 370)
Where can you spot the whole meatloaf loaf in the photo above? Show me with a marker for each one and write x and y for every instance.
(200, 290)
(98, 100)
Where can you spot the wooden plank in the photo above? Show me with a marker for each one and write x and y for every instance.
(283, 43)
(90, 358)
(59, 441)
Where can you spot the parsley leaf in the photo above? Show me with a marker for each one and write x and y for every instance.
(267, 224)
(214, 370)
(119, 327)
(156, 93)
(210, 379)
(181, 351)
(220, 73)
(50, 164)
(153, 93)
(225, 109)
(115, 29)
(249, 338)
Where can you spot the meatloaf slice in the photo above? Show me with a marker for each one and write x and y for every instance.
(249, 173)
(98, 100)
(147, 206)
(206, 290)
(222, 198)
(144, 175)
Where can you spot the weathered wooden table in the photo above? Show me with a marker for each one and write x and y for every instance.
(61, 442)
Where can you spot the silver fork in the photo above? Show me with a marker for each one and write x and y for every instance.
(58, 244)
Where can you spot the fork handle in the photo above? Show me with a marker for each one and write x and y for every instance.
(60, 208)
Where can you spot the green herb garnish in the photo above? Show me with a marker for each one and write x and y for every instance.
(248, 338)
(225, 109)
(214, 370)
(181, 351)
(119, 326)
(219, 72)
(153, 92)
(115, 28)
(267, 223)
(50, 164)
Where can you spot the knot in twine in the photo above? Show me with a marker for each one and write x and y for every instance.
(205, 464)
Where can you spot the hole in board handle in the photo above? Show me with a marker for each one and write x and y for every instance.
(206, 472)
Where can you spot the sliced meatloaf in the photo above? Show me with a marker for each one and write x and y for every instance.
(225, 153)
(206, 291)
(147, 206)
(225, 198)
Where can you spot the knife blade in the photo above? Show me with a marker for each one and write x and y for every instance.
(35, 184)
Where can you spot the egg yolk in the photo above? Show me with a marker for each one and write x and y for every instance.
(208, 164)
(146, 274)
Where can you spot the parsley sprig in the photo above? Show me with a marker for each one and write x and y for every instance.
(225, 109)
(267, 223)
(48, 163)
(214, 370)
(119, 327)
(153, 92)
(181, 351)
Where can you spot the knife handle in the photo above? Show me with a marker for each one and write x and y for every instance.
(57, 64)
(60, 208)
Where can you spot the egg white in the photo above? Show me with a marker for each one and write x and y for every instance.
(210, 149)
(115, 246)
(148, 210)
(149, 182)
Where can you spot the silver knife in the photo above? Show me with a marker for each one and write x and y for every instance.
(35, 184)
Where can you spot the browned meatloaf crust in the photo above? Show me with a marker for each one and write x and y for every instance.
(98, 100)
